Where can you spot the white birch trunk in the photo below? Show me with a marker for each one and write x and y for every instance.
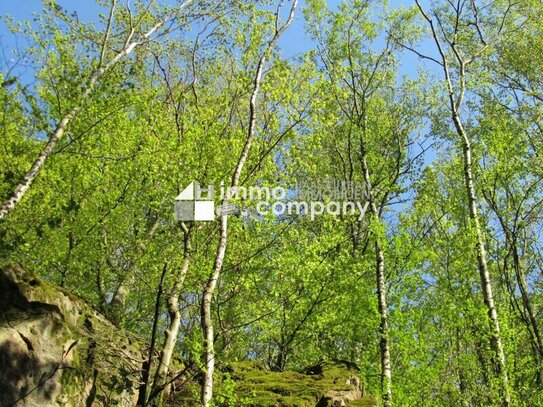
(207, 321)
(22, 187)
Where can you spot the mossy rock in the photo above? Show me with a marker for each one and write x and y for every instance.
(366, 401)
(56, 350)
(250, 384)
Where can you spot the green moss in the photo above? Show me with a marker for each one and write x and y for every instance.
(249, 384)
(367, 401)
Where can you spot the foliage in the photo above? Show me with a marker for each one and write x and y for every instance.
(98, 220)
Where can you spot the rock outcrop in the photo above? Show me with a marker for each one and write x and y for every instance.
(331, 383)
(55, 350)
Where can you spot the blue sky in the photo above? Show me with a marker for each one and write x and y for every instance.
(293, 42)
(22, 9)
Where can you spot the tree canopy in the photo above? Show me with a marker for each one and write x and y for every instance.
(431, 111)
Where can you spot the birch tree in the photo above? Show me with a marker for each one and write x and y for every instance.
(135, 34)
(461, 38)
(207, 322)
(359, 78)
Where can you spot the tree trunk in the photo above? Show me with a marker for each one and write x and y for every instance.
(207, 321)
(384, 341)
(386, 379)
(484, 273)
(531, 322)
(281, 358)
(455, 102)
(22, 187)
(32, 173)
(170, 335)
(521, 281)
(148, 364)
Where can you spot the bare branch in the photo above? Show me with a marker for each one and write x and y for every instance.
(107, 33)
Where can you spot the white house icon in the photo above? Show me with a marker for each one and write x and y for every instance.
(191, 205)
